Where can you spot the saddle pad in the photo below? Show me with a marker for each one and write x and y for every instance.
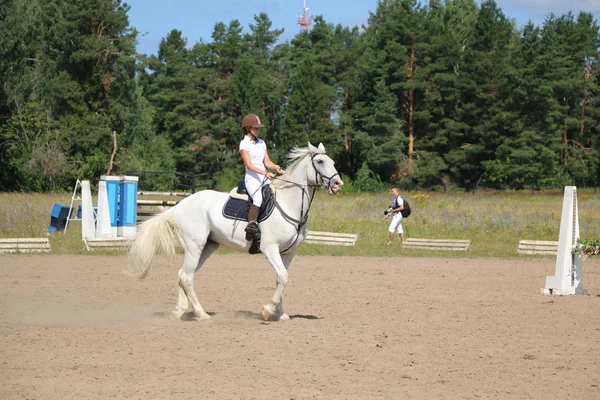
(238, 209)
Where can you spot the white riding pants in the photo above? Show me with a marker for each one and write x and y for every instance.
(396, 224)
(254, 184)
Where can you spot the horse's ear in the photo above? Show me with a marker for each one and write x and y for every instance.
(321, 147)
(311, 148)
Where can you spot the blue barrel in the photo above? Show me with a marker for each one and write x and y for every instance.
(58, 217)
(128, 186)
(79, 211)
(112, 191)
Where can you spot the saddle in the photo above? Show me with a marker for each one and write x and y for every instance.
(239, 203)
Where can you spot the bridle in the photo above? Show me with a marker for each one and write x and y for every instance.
(324, 178)
(304, 216)
(317, 173)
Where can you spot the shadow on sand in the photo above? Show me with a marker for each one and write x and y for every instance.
(236, 314)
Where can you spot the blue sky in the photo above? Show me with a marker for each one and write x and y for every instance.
(196, 18)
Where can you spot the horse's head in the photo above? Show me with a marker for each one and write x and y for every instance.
(325, 174)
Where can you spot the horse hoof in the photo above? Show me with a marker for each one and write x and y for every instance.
(284, 317)
(265, 314)
(176, 315)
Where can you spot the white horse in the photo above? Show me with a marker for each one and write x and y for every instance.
(199, 226)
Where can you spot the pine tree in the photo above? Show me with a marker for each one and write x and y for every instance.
(393, 44)
(380, 142)
(450, 29)
(73, 93)
(481, 109)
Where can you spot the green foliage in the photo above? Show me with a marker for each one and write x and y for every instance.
(431, 94)
(349, 186)
(307, 115)
(70, 95)
(428, 171)
(230, 178)
(367, 181)
(587, 248)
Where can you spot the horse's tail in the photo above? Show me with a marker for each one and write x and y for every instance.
(156, 234)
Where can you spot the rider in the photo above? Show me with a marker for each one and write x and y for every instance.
(255, 157)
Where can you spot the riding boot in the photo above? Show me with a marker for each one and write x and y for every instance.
(252, 224)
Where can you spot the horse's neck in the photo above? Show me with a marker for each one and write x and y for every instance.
(295, 198)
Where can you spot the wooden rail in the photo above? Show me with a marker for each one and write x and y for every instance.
(118, 243)
(25, 245)
(331, 238)
(181, 194)
(538, 247)
(438, 244)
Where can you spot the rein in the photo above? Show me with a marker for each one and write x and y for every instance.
(303, 218)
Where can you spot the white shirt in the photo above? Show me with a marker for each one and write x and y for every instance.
(399, 202)
(256, 151)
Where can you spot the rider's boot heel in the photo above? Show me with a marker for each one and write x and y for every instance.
(252, 227)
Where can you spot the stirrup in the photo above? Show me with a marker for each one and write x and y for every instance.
(251, 230)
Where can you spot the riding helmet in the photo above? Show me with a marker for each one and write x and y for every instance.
(252, 121)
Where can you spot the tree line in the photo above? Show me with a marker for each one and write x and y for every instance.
(444, 94)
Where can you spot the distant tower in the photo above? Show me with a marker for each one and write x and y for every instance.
(303, 20)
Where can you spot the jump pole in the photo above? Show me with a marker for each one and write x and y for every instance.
(112, 193)
(169, 203)
(128, 206)
(88, 226)
(568, 278)
(103, 226)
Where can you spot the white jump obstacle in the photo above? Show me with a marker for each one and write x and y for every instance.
(88, 224)
(568, 278)
(115, 222)
(542, 247)
(103, 226)
(113, 244)
(331, 239)
(438, 244)
(24, 245)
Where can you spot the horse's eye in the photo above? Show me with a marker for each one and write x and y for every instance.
(319, 161)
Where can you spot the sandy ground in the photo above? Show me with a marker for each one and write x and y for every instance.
(73, 327)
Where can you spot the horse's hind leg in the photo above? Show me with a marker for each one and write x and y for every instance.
(182, 301)
(194, 257)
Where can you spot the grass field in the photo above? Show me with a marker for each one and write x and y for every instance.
(493, 221)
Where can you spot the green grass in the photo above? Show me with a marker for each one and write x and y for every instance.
(493, 221)
(28, 215)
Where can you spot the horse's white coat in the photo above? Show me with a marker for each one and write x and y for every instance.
(198, 225)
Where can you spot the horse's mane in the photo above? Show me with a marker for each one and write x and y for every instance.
(295, 157)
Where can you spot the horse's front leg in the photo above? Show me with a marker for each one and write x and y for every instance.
(281, 315)
(280, 263)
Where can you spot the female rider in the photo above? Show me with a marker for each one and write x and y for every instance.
(255, 157)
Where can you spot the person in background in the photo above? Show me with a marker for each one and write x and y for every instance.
(256, 160)
(396, 223)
